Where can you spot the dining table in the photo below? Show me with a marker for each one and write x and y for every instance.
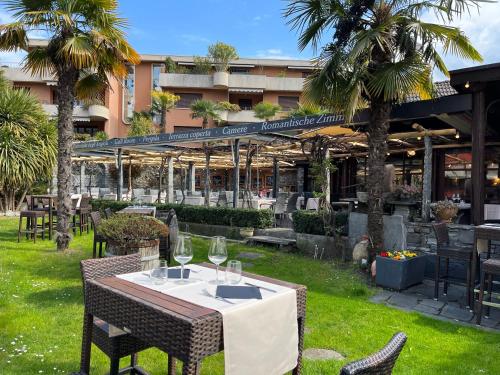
(189, 331)
(50, 198)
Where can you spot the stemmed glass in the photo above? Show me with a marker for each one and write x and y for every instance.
(217, 254)
(183, 253)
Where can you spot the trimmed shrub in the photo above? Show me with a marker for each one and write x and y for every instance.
(311, 222)
(236, 217)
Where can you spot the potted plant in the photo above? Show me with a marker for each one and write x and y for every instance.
(132, 233)
(246, 232)
(399, 269)
(445, 210)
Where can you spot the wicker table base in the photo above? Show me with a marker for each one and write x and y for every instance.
(182, 329)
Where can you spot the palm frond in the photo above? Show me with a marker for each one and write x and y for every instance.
(13, 36)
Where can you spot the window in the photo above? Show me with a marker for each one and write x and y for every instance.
(288, 102)
(129, 93)
(155, 76)
(306, 74)
(245, 104)
(17, 87)
(239, 71)
(187, 99)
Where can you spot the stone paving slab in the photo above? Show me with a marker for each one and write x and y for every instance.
(403, 300)
(383, 296)
(456, 313)
(432, 303)
(427, 309)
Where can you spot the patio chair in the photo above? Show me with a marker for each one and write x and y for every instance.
(279, 207)
(81, 214)
(445, 251)
(291, 205)
(490, 269)
(168, 242)
(108, 212)
(114, 342)
(380, 363)
(99, 239)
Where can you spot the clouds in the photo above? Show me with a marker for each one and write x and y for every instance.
(274, 53)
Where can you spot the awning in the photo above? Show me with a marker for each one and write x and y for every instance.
(246, 91)
(330, 130)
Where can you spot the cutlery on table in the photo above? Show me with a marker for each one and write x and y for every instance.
(261, 287)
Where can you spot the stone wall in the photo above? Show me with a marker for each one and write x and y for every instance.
(421, 235)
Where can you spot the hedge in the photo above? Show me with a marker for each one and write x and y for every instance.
(311, 222)
(237, 217)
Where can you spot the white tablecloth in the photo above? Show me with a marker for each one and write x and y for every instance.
(312, 204)
(260, 336)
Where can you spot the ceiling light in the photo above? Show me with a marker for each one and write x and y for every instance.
(411, 152)
(419, 138)
(388, 153)
(457, 136)
(467, 84)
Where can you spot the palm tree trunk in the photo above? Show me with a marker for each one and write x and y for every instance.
(377, 151)
(163, 121)
(130, 176)
(66, 94)
(160, 185)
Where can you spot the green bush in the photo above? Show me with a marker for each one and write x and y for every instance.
(238, 217)
(311, 222)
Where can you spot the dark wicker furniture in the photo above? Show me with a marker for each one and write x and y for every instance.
(183, 330)
(490, 269)
(99, 239)
(114, 343)
(81, 214)
(447, 252)
(32, 228)
(49, 200)
(168, 242)
(380, 363)
(108, 213)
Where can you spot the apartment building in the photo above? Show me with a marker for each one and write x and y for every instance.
(248, 82)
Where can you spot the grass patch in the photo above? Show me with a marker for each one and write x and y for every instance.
(41, 315)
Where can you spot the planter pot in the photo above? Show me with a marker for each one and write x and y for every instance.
(246, 232)
(149, 250)
(400, 274)
(221, 79)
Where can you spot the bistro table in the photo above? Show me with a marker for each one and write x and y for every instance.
(483, 235)
(50, 198)
(184, 330)
(145, 210)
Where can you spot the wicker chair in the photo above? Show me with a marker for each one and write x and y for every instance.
(98, 237)
(380, 363)
(113, 342)
(222, 199)
(490, 269)
(167, 243)
(108, 213)
(444, 250)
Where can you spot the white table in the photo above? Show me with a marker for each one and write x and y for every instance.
(312, 204)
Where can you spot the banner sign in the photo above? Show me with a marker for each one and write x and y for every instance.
(204, 135)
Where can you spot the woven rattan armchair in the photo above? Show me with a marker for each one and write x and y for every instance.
(113, 342)
(380, 363)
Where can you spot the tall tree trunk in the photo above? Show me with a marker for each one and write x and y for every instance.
(67, 78)
(130, 176)
(377, 151)
(160, 185)
(163, 121)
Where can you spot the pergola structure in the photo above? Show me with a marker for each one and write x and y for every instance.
(456, 118)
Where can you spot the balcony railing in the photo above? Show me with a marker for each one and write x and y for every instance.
(235, 81)
(93, 112)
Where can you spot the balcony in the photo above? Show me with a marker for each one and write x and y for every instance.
(240, 116)
(234, 82)
(93, 112)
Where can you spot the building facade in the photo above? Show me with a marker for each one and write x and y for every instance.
(248, 82)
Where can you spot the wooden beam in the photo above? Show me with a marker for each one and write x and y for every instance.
(478, 145)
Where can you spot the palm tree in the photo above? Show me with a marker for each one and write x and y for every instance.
(206, 109)
(266, 110)
(86, 46)
(380, 51)
(306, 109)
(28, 145)
(163, 102)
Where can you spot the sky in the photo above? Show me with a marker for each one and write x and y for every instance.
(255, 27)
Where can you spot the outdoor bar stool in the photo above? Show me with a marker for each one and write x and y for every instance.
(115, 343)
(32, 227)
(99, 239)
(490, 269)
(82, 214)
(380, 363)
(447, 252)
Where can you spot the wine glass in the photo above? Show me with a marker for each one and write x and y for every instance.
(217, 254)
(183, 253)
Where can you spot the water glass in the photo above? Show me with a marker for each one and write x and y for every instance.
(217, 254)
(159, 272)
(233, 272)
(183, 253)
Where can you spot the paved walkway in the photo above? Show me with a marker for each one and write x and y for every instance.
(450, 307)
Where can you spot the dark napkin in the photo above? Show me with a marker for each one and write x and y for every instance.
(175, 273)
(238, 292)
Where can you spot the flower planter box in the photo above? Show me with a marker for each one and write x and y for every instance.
(400, 274)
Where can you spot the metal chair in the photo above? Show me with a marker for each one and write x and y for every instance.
(380, 363)
(99, 239)
(444, 250)
(32, 227)
(114, 342)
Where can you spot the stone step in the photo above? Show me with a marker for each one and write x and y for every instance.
(269, 240)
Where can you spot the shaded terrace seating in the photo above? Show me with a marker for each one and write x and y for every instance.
(98, 237)
(445, 251)
(114, 342)
(380, 363)
(490, 269)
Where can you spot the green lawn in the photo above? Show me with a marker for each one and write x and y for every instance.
(41, 315)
